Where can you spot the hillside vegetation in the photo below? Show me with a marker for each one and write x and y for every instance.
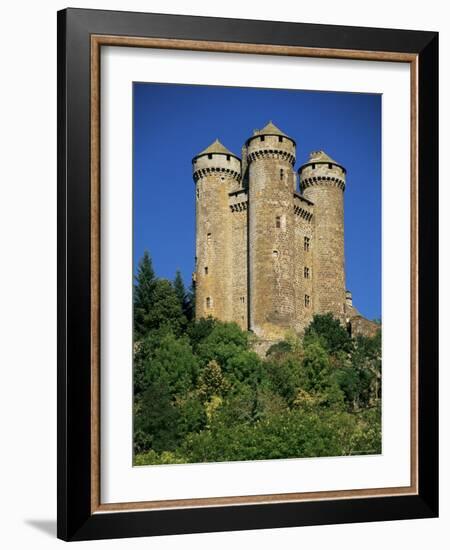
(202, 395)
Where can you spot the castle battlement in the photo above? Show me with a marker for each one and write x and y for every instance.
(269, 254)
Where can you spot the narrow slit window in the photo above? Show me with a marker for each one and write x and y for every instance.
(208, 238)
(262, 138)
(307, 300)
(306, 272)
(206, 270)
(306, 243)
(278, 222)
(281, 173)
(280, 139)
(208, 302)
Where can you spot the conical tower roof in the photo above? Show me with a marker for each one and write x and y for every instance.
(216, 147)
(320, 156)
(269, 128)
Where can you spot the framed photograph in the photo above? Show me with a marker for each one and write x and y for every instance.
(247, 257)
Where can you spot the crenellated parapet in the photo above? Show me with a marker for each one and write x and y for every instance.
(321, 170)
(272, 144)
(216, 160)
(209, 170)
(238, 200)
(303, 208)
(322, 180)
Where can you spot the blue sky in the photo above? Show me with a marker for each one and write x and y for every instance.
(172, 123)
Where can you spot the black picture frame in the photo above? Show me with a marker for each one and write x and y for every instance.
(75, 518)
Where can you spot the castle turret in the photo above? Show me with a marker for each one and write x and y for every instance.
(322, 181)
(216, 172)
(271, 183)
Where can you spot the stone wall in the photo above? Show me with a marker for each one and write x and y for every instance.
(269, 257)
(304, 251)
(323, 184)
(271, 235)
(215, 177)
(238, 202)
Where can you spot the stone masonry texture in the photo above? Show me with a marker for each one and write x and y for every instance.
(269, 255)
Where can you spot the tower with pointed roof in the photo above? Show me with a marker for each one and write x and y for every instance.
(269, 251)
(217, 172)
(322, 181)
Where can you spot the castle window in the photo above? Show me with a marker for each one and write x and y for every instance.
(275, 253)
(198, 193)
(208, 303)
(242, 299)
(261, 138)
(228, 157)
(209, 155)
(307, 300)
(281, 173)
(280, 139)
(208, 238)
(330, 166)
(206, 270)
(306, 243)
(306, 272)
(278, 222)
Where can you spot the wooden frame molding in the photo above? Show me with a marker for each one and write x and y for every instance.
(81, 36)
(97, 41)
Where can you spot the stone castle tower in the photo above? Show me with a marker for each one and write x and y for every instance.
(269, 255)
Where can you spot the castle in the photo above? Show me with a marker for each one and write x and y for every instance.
(270, 255)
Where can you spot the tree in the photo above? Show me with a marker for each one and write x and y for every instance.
(317, 377)
(199, 329)
(212, 381)
(190, 303)
(143, 291)
(174, 363)
(224, 341)
(333, 336)
(165, 311)
(156, 419)
(185, 297)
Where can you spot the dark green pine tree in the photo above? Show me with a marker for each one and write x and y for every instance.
(143, 295)
(180, 291)
(185, 297)
(190, 303)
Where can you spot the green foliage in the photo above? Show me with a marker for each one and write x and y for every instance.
(186, 299)
(202, 394)
(279, 349)
(145, 281)
(224, 341)
(333, 336)
(157, 303)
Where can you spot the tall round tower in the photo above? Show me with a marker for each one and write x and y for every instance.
(271, 183)
(216, 172)
(322, 180)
